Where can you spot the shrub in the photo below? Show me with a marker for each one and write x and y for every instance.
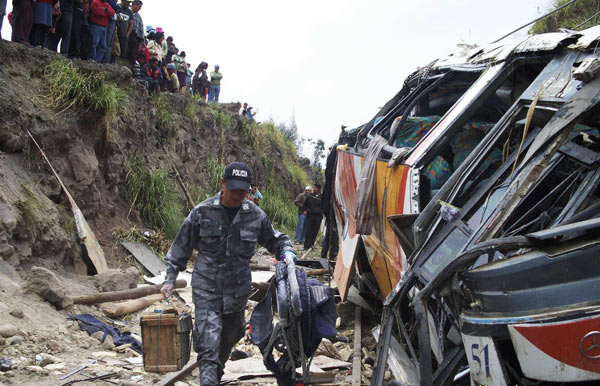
(152, 194)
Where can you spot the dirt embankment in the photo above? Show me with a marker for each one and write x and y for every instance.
(91, 154)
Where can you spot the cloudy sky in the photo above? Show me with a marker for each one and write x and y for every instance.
(327, 62)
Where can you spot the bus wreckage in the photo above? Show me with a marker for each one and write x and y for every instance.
(471, 206)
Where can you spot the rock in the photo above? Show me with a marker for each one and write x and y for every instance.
(7, 251)
(8, 330)
(54, 346)
(2, 342)
(47, 285)
(346, 354)
(17, 314)
(84, 163)
(14, 340)
(327, 348)
(37, 370)
(238, 354)
(98, 335)
(179, 383)
(108, 343)
(117, 279)
(47, 359)
(55, 367)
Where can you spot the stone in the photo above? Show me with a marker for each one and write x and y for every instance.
(48, 359)
(117, 279)
(55, 367)
(8, 330)
(98, 335)
(46, 284)
(14, 340)
(346, 354)
(327, 348)
(54, 346)
(17, 314)
(2, 342)
(108, 343)
(7, 251)
(37, 370)
(179, 383)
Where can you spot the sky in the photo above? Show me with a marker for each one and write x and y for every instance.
(328, 62)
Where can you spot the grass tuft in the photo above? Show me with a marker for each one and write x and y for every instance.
(66, 86)
(152, 194)
(28, 208)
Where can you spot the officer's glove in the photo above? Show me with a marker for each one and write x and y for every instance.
(290, 254)
(167, 290)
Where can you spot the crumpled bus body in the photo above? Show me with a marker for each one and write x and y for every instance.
(490, 184)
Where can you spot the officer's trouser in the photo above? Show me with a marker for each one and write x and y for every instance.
(215, 334)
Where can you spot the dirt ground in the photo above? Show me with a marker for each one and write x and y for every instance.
(44, 344)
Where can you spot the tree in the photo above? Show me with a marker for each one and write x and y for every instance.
(318, 154)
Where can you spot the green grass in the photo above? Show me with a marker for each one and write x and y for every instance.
(29, 207)
(67, 86)
(222, 118)
(164, 122)
(151, 192)
(278, 206)
(579, 15)
(216, 170)
(298, 174)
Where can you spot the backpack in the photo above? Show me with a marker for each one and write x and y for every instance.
(306, 310)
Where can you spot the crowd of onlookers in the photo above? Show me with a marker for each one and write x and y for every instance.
(106, 31)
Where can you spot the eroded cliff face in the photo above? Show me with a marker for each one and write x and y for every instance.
(90, 151)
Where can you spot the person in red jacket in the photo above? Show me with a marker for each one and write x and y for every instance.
(100, 13)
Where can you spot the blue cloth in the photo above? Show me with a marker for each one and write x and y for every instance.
(90, 324)
(42, 13)
(300, 232)
(98, 42)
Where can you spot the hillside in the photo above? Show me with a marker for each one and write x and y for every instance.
(120, 153)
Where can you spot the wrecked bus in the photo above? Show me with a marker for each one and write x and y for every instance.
(429, 128)
(489, 240)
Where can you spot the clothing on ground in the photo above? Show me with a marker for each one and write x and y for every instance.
(90, 324)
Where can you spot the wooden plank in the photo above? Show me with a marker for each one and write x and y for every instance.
(325, 363)
(146, 257)
(91, 246)
(356, 364)
(187, 369)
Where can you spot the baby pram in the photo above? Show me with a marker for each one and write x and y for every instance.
(306, 311)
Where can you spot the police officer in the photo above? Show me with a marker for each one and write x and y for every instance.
(224, 229)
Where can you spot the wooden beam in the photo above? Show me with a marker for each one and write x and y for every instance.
(356, 362)
(114, 310)
(114, 296)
